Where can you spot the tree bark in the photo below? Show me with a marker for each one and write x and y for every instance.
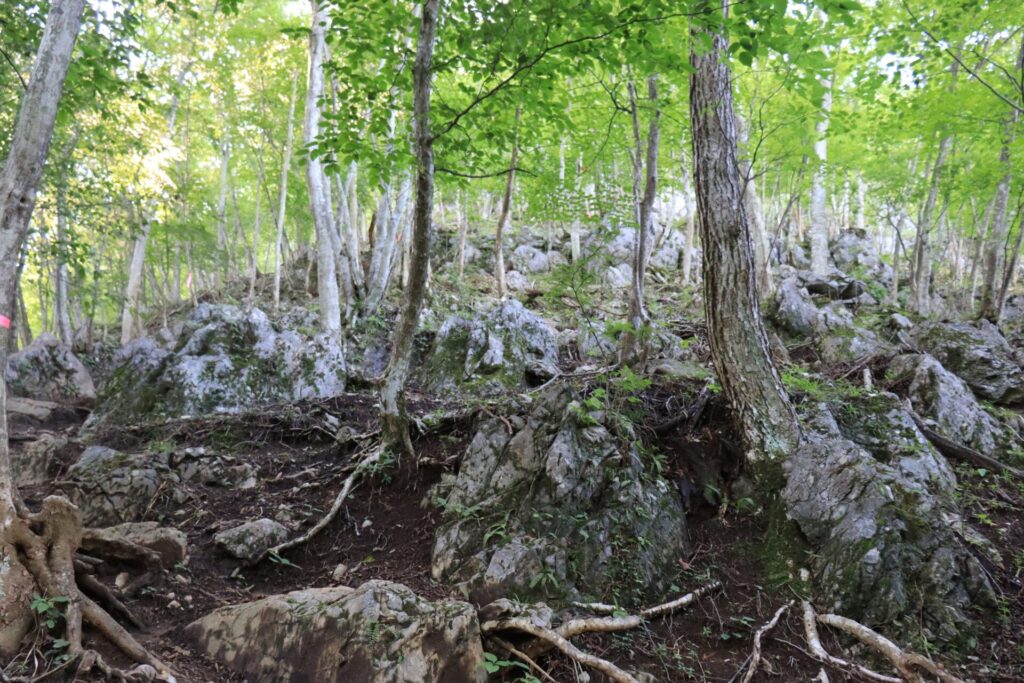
(505, 219)
(644, 208)
(739, 343)
(819, 200)
(282, 193)
(319, 188)
(995, 249)
(394, 422)
(921, 294)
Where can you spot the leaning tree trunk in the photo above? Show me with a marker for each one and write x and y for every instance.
(506, 211)
(739, 343)
(921, 294)
(394, 422)
(319, 189)
(819, 202)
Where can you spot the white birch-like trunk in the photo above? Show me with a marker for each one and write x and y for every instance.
(819, 198)
(282, 192)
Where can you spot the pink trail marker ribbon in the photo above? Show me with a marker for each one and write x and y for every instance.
(5, 322)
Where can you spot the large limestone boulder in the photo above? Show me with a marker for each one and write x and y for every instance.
(250, 540)
(225, 360)
(943, 398)
(553, 506)
(380, 632)
(31, 461)
(853, 251)
(794, 311)
(506, 345)
(877, 504)
(170, 544)
(529, 259)
(46, 369)
(978, 354)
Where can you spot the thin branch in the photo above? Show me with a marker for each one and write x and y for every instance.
(14, 68)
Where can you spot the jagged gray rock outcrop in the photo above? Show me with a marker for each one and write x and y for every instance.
(380, 632)
(554, 505)
(225, 360)
(506, 345)
(853, 250)
(876, 502)
(943, 398)
(978, 354)
(170, 544)
(46, 369)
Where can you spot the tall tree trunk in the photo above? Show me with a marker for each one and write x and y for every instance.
(505, 219)
(319, 188)
(40, 547)
(759, 233)
(921, 294)
(1011, 267)
(644, 208)
(61, 304)
(282, 192)
(463, 225)
(739, 343)
(995, 250)
(819, 199)
(394, 422)
(132, 293)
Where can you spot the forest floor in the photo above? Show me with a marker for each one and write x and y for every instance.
(386, 531)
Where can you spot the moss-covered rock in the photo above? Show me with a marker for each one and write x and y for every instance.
(556, 507)
(978, 354)
(876, 503)
(380, 632)
(46, 369)
(225, 360)
(505, 346)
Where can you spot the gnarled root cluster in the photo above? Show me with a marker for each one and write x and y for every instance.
(46, 544)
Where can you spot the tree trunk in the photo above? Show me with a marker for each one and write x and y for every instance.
(61, 304)
(819, 201)
(995, 249)
(505, 219)
(133, 291)
(739, 343)
(394, 422)
(39, 546)
(921, 294)
(644, 208)
(282, 193)
(319, 189)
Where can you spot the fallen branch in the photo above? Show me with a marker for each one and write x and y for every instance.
(818, 650)
(755, 655)
(564, 646)
(956, 451)
(375, 456)
(904, 662)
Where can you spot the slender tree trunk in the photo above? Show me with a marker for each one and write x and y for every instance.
(460, 216)
(861, 199)
(394, 422)
(819, 200)
(739, 343)
(921, 294)
(644, 207)
(282, 192)
(61, 305)
(132, 293)
(980, 238)
(1011, 267)
(575, 249)
(995, 249)
(759, 234)
(505, 219)
(319, 188)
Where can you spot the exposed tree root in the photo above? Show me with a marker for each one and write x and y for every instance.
(515, 652)
(905, 663)
(819, 652)
(568, 649)
(374, 456)
(558, 638)
(755, 655)
(46, 542)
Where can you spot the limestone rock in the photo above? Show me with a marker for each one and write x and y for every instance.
(380, 632)
(560, 508)
(528, 259)
(940, 396)
(113, 487)
(875, 501)
(978, 354)
(225, 360)
(794, 311)
(47, 369)
(504, 346)
(31, 461)
(250, 540)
